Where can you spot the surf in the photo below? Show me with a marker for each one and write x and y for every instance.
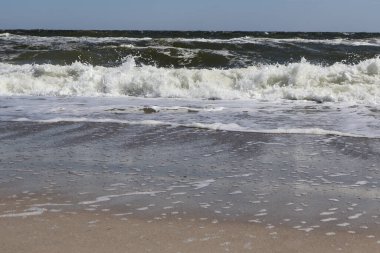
(359, 83)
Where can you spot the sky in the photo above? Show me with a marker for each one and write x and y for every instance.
(237, 15)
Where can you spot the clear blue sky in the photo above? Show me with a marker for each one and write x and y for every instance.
(249, 15)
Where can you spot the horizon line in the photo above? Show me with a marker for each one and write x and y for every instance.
(175, 30)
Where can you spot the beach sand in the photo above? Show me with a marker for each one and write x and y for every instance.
(104, 233)
(102, 187)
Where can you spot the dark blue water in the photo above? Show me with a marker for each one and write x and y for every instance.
(185, 49)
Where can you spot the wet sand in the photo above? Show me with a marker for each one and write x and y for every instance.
(102, 233)
(95, 187)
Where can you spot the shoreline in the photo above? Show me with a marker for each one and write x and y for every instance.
(73, 181)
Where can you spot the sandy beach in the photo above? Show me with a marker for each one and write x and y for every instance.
(96, 187)
(101, 232)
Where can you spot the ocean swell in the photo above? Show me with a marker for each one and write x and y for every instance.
(359, 83)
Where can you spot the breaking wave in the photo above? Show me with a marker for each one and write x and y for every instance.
(358, 83)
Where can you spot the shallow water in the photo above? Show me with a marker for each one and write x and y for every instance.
(305, 182)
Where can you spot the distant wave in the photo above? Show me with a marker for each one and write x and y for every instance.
(339, 82)
(374, 41)
(252, 40)
(185, 49)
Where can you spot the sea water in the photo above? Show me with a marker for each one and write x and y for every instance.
(297, 83)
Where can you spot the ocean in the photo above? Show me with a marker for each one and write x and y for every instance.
(154, 141)
(313, 83)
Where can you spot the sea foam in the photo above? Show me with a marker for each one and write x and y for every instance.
(339, 82)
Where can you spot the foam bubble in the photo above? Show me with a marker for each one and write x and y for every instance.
(109, 197)
(33, 211)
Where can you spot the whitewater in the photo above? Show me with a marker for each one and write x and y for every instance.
(359, 83)
(273, 83)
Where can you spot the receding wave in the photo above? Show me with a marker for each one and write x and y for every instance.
(230, 127)
(359, 83)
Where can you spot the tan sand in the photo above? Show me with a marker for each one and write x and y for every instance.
(83, 232)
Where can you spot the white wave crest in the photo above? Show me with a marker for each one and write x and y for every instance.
(374, 42)
(6, 35)
(340, 82)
